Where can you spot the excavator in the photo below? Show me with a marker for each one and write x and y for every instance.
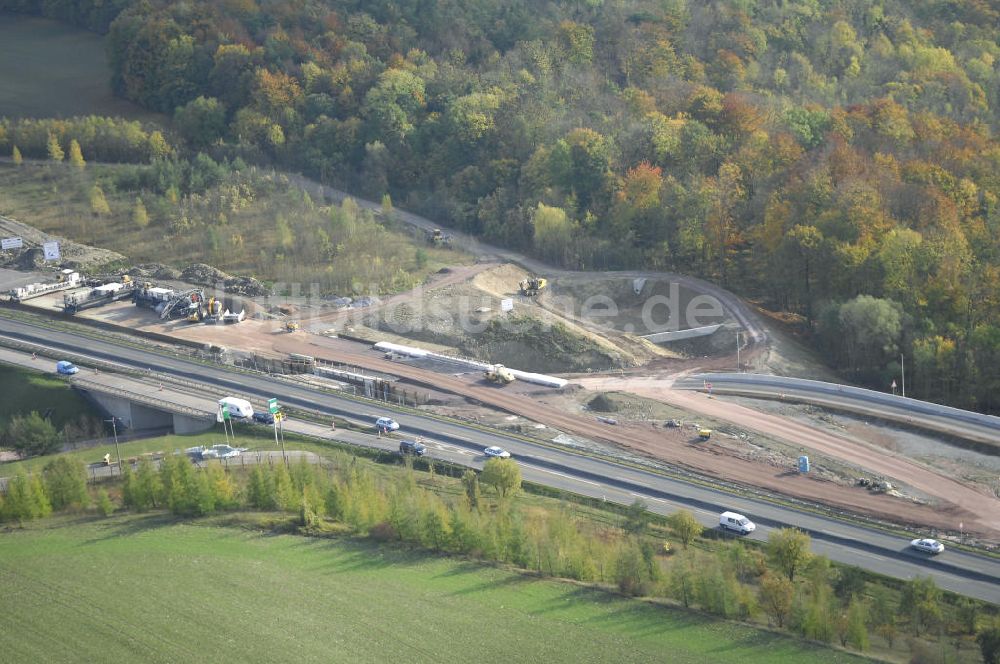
(532, 286)
(499, 374)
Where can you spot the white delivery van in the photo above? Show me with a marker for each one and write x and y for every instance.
(238, 408)
(736, 522)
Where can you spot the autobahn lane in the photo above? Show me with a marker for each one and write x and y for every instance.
(842, 541)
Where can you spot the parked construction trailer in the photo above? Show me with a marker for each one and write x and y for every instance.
(67, 279)
(99, 295)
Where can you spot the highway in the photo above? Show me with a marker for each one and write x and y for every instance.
(953, 421)
(962, 572)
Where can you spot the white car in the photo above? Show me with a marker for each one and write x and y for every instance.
(496, 453)
(386, 424)
(737, 523)
(221, 451)
(927, 545)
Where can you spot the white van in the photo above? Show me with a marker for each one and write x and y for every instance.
(736, 522)
(238, 408)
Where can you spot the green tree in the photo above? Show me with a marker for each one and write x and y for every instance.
(850, 581)
(148, 489)
(128, 487)
(76, 155)
(104, 504)
(776, 594)
(682, 581)
(391, 105)
(98, 204)
(968, 614)
(470, 482)
(20, 502)
(31, 435)
(788, 549)
(631, 573)
(857, 631)
(989, 643)
(66, 484)
(922, 599)
(636, 517)
(139, 215)
(503, 475)
(684, 526)
(202, 121)
(55, 151)
(871, 330)
(16, 156)
(553, 233)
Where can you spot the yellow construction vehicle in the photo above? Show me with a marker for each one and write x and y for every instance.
(438, 238)
(291, 326)
(704, 434)
(532, 285)
(498, 373)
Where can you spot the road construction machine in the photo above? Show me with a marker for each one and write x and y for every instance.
(532, 286)
(499, 374)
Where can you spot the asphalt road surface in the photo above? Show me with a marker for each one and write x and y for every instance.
(965, 573)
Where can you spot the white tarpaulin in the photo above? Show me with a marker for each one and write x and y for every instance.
(51, 250)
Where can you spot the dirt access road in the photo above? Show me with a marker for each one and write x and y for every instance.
(756, 332)
(894, 466)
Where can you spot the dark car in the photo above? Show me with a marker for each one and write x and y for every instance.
(412, 447)
(264, 417)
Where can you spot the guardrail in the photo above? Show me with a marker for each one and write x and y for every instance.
(859, 393)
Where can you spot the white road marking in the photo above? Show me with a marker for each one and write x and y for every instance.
(639, 495)
(569, 477)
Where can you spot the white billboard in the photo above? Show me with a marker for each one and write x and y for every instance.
(506, 305)
(51, 250)
(11, 243)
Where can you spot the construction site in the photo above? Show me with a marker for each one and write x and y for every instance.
(528, 350)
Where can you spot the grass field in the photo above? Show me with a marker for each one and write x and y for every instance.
(145, 589)
(50, 69)
(24, 391)
(358, 256)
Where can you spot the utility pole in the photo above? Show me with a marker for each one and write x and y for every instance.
(114, 430)
(902, 370)
(739, 367)
(281, 428)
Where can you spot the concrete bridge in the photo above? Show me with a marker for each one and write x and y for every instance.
(142, 405)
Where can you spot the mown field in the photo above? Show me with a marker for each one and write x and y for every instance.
(146, 589)
(24, 391)
(50, 69)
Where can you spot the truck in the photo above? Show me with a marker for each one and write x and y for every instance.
(238, 408)
(498, 373)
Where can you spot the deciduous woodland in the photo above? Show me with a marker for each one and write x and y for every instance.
(835, 159)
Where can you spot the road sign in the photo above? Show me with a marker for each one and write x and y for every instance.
(11, 243)
(51, 250)
(225, 412)
(272, 406)
(893, 383)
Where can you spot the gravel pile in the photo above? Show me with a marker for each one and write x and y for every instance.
(206, 275)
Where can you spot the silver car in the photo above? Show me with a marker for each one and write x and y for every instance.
(496, 453)
(927, 545)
